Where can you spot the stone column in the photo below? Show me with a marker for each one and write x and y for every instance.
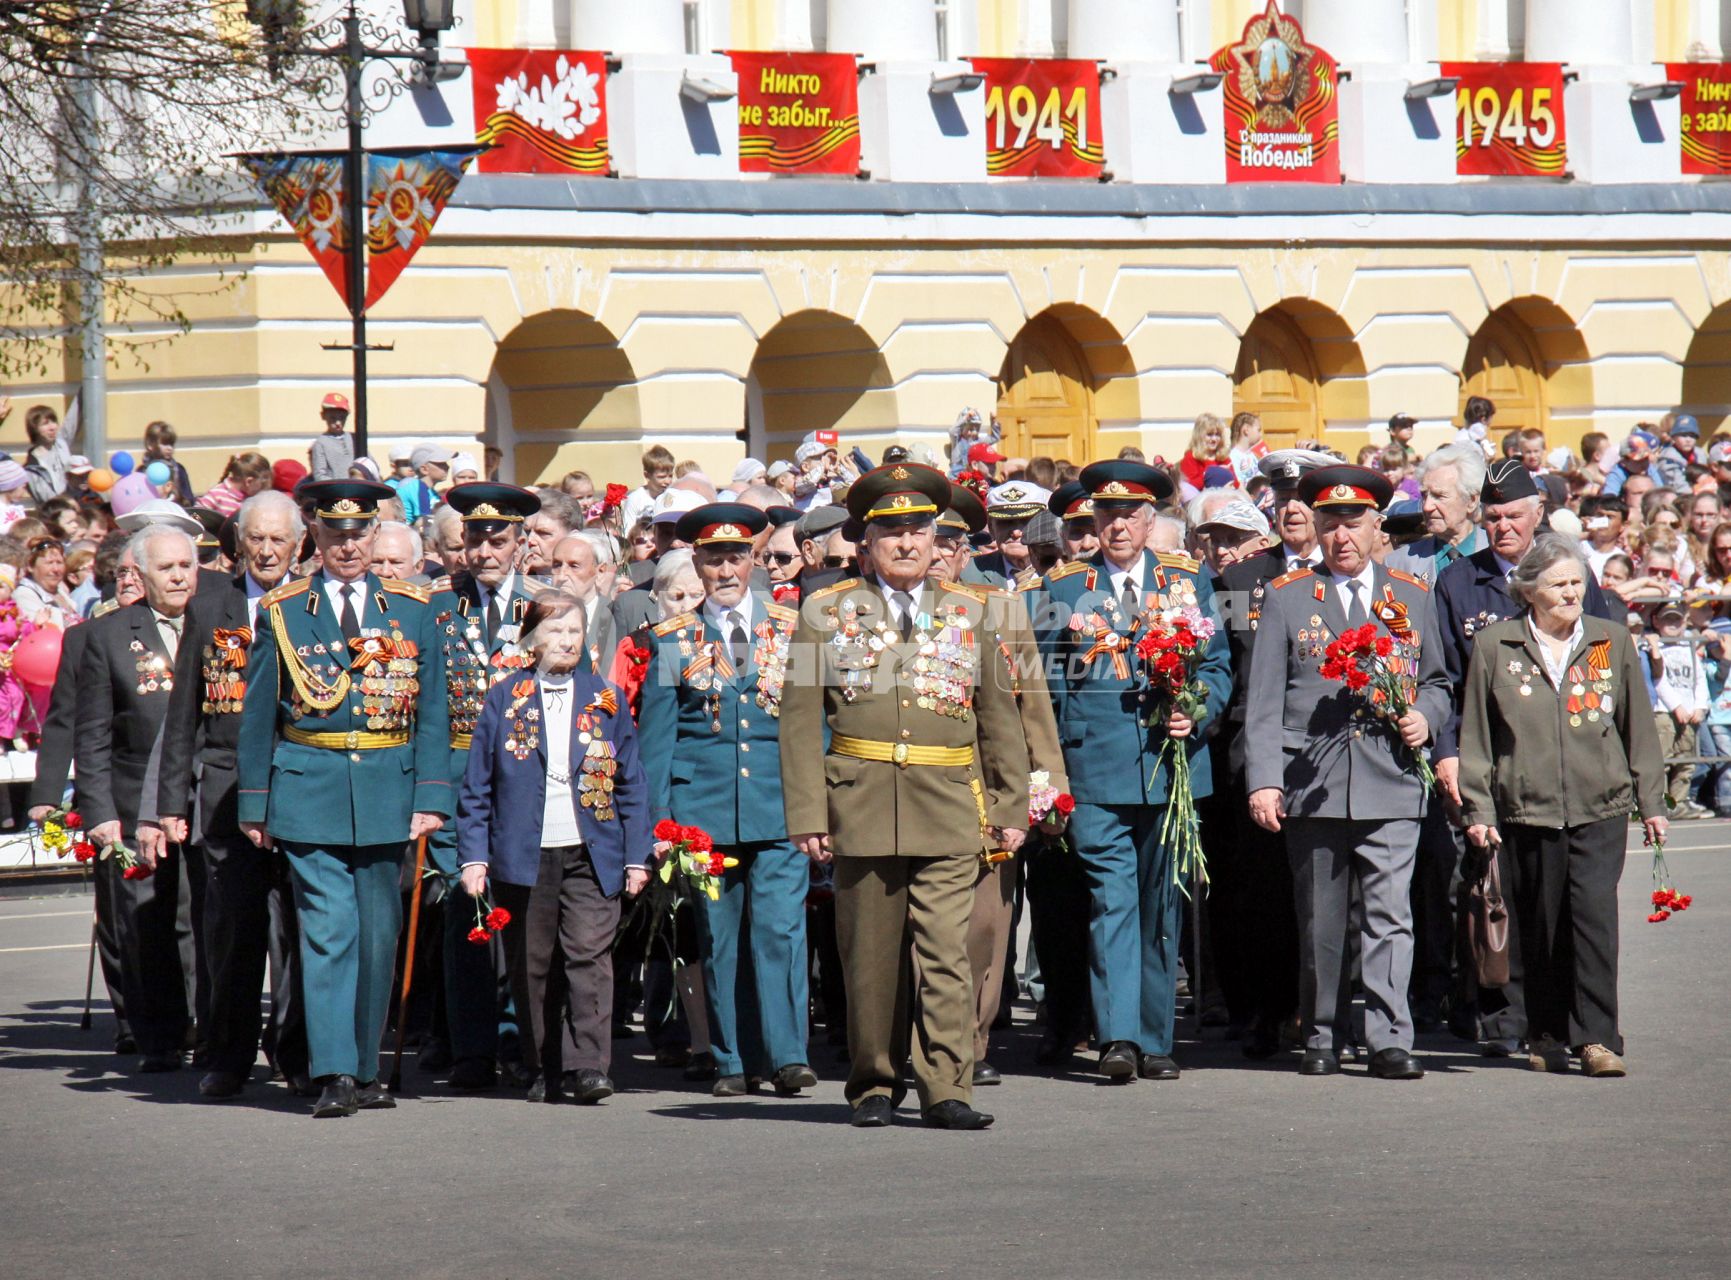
(907, 132)
(640, 26)
(1705, 42)
(1358, 31)
(1124, 30)
(1597, 34)
(1492, 44)
(884, 30)
(536, 28)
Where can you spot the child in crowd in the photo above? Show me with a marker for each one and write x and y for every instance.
(1400, 429)
(1716, 731)
(332, 453)
(159, 442)
(1248, 447)
(1680, 702)
(16, 713)
(657, 476)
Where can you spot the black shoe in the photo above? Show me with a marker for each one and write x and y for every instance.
(792, 1078)
(1501, 1047)
(701, 1067)
(1395, 1064)
(538, 1089)
(728, 1087)
(221, 1084)
(434, 1055)
(1262, 1043)
(1055, 1051)
(673, 1055)
(1157, 1066)
(1319, 1062)
(301, 1085)
(985, 1073)
(514, 1074)
(471, 1074)
(372, 1096)
(1118, 1060)
(956, 1114)
(125, 1045)
(587, 1086)
(874, 1112)
(338, 1098)
(151, 1063)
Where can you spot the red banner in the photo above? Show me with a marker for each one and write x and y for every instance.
(1282, 115)
(798, 112)
(1706, 115)
(543, 110)
(1042, 118)
(1509, 118)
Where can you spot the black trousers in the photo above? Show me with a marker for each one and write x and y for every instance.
(562, 926)
(1252, 922)
(1563, 884)
(153, 926)
(1059, 908)
(249, 926)
(104, 877)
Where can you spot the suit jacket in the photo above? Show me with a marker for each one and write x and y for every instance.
(202, 727)
(1111, 725)
(59, 726)
(711, 735)
(1419, 558)
(125, 677)
(602, 638)
(344, 798)
(853, 674)
(1311, 738)
(1471, 595)
(1239, 595)
(504, 788)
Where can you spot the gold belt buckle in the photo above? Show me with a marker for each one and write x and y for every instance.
(353, 740)
(899, 753)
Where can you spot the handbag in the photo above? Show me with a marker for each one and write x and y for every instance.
(1487, 926)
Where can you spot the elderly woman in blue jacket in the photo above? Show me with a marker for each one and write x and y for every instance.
(553, 813)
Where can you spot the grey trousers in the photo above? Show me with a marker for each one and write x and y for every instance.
(1327, 855)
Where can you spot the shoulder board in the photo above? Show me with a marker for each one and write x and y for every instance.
(440, 584)
(1074, 567)
(834, 588)
(781, 613)
(1175, 560)
(287, 591)
(1406, 577)
(414, 590)
(1027, 578)
(1294, 576)
(673, 624)
(103, 609)
(974, 591)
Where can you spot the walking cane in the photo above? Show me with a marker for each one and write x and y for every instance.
(396, 1084)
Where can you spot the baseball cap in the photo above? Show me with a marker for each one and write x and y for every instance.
(1216, 477)
(780, 467)
(1399, 420)
(285, 475)
(809, 450)
(1240, 513)
(428, 453)
(1684, 424)
(402, 452)
(335, 400)
(674, 503)
(983, 453)
(1638, 445)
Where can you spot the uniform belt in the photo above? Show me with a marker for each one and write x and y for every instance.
(357, 740)
(901, 753)
(462, 741)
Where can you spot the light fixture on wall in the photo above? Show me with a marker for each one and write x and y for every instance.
(1655, 92)
(703, 89)
(962, 82)
(1198, 83)
(1440, 87)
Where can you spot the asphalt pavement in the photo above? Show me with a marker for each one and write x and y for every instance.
(1481, 1169)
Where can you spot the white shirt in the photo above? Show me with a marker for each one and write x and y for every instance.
(334, 593)
(1556, 668)
(1365, 577)
(559, 814)
(1119, 577)
(724, 618)
(890, 593)
(254, 593)
(502, 591)
(170, 629)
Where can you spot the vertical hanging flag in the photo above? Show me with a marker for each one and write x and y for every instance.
(1282, 115)
(543, 110)
(406, 193)
(1509, 118)
(1042, 118)
(798, 112)
(307, 189)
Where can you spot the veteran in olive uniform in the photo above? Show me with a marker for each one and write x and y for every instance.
(479, 612)
(925, 770)
(344, 755)
(1337, 776)
(710, 732)
(1114, 728)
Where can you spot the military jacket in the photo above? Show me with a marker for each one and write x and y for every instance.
(472, 666)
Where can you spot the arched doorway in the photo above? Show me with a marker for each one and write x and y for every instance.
(1503, 364)
(1046, 394)
(556, 373)
(816, 370)
(1707, 371)
(1277, 378)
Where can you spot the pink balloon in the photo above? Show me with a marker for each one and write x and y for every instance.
(37, 657)
(129, 491)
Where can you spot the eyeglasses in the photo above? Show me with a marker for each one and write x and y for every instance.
(782, 558)
(837, 562)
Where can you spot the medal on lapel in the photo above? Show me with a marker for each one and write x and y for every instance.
(524, 736)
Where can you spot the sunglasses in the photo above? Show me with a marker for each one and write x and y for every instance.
(782, 558)
(837, 562)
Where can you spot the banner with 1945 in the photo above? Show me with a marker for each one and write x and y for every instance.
(1509, 118)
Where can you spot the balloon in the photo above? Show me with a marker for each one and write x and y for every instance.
(37, 657)
(129, 491)
(100, 480)
(121, 463)
(157, 473)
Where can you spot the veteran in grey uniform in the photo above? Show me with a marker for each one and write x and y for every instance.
(1338, 777)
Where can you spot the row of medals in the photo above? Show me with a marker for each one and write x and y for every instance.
(1599, 701)
(943, 663)
(386, 699)
(154, 670)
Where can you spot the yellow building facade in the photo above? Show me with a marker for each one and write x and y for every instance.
(571, 322)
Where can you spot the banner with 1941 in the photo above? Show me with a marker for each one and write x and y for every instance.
(1042, 118)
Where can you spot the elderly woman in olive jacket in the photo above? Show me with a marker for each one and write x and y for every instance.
(1557, 749)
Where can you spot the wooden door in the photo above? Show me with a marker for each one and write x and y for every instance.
(1502, 364)
(1276, 379)
(1045, 395)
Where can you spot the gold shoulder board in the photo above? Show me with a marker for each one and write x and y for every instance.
(673, 624)
(834, 588)
(414, 590)
(287, 591)
(1295, 576)
(1404, 576)
(1176, 560)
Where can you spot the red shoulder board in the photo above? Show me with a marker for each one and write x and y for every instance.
(1294, 576)
(1420, 583)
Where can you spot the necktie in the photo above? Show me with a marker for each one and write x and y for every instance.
(1130, 598)
(349, 616)
(904, 603)
(492, 618)
(170, 629)
(736, 644)
(1355, 611)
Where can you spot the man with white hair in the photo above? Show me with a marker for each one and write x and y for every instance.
(125, 680)
(397, 550)
(577, 559)
(249, 916)
(448, 538)
(1449, 481)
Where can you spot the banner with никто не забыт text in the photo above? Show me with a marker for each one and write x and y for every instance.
(1705, 115)
(798, 112)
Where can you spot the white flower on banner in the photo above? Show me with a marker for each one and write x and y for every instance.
(565, 107)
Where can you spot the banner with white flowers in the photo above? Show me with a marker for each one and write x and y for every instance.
(542, 110)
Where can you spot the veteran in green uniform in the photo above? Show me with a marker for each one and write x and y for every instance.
(344, 755)
(925, 769)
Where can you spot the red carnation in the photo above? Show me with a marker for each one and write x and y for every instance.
(1356, 680)
(785, 593)
(638, 654)
(669, 830)
(84, 851)
(1065, 803)
(717, 864)
(72, 821)
(614, 495)
(1384, 646)
(699, 840)
(479, 936)
(1333, 669)
(498, 918)
(1681, 901)
(1659, 917)
(138, 871)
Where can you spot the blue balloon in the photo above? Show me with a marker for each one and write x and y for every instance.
(157, 473)
(121, 463)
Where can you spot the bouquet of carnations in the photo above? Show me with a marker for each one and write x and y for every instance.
(694, 856)
(1666, 900)
(1171, 647)
(1364, 662)
(489, 919)
(63, 834)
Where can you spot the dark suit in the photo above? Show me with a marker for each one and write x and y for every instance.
(249, 918)
(564, 901)
(53, 767)
(118, 718)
